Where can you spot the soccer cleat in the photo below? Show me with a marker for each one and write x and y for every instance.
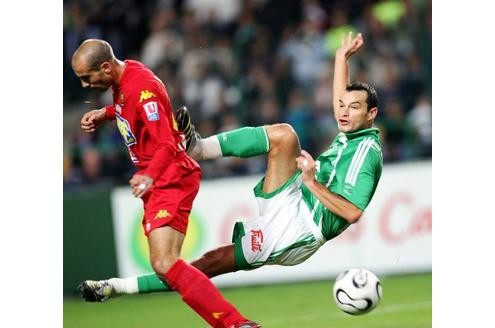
(185, 125)
(247, 324)
(96, 291)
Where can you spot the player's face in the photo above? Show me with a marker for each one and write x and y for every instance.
(353, 114)
(95, 79)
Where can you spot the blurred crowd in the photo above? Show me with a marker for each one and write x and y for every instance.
(246, 63)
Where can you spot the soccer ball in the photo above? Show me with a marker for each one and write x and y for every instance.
(357, 291)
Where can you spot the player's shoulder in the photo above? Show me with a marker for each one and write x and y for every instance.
(365, 141)
(142, 85)
(366, 146)
(367, 138)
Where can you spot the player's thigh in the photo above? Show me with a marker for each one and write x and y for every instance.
(284, 149)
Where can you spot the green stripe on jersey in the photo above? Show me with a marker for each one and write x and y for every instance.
(351, 167)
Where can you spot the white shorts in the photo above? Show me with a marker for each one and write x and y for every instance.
(283, 234)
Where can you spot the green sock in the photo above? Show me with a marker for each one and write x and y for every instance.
(151, 283)
(244, 142)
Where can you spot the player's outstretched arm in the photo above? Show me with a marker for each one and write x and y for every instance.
(92, 119)
(341, 77)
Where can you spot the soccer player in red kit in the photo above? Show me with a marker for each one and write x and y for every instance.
(167, 180)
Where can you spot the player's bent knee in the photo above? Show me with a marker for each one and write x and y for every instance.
(282, 136)
(162, 265)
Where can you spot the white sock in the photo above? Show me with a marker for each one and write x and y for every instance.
(124, 286)
(208, 148)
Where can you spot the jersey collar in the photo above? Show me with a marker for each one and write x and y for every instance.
(359, 133)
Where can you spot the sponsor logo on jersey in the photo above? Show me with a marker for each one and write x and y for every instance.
(125, 131)
(256, 240)
(145, 95)
(161, 214)
(151, 109)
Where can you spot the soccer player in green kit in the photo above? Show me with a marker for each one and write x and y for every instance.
(303, 202)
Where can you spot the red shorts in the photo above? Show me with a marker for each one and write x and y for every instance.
(169, 201)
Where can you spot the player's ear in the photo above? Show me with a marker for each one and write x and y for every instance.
(372, 113)
(106, 67)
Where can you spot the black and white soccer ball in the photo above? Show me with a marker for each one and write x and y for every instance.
(357, 291)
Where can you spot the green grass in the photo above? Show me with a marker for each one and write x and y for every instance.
(406, 303)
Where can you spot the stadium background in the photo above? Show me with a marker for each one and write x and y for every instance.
(236, 63)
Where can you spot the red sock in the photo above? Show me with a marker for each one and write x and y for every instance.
(201, 295)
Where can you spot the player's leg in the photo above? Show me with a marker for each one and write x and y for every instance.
(217, 262)
(284, 149)
(243, 142)
(213, 263)
(279, 140)
(195, 288)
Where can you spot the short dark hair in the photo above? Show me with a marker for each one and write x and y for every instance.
(372, 96)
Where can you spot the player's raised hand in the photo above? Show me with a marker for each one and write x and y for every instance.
(350, 45)
(306, 164)
(140, 184)
(92, 119)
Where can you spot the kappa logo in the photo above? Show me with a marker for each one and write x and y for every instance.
(161, 214)
(145, 95)
(217, 315)
(256, 240)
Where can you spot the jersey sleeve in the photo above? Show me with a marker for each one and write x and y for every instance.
(155, 115)
(110, 112)
(361, 179)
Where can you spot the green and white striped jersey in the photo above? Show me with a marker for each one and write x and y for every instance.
(351, 168)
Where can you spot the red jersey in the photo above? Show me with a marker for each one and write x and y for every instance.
(145, 120)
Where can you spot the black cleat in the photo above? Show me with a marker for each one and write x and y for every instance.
(185, 125)
(95, 291)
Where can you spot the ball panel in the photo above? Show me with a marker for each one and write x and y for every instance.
(357, 291)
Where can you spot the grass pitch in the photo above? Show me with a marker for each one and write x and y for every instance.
(406, 303)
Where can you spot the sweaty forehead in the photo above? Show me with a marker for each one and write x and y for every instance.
(81, 69)
(80, 65)
(353, 96)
